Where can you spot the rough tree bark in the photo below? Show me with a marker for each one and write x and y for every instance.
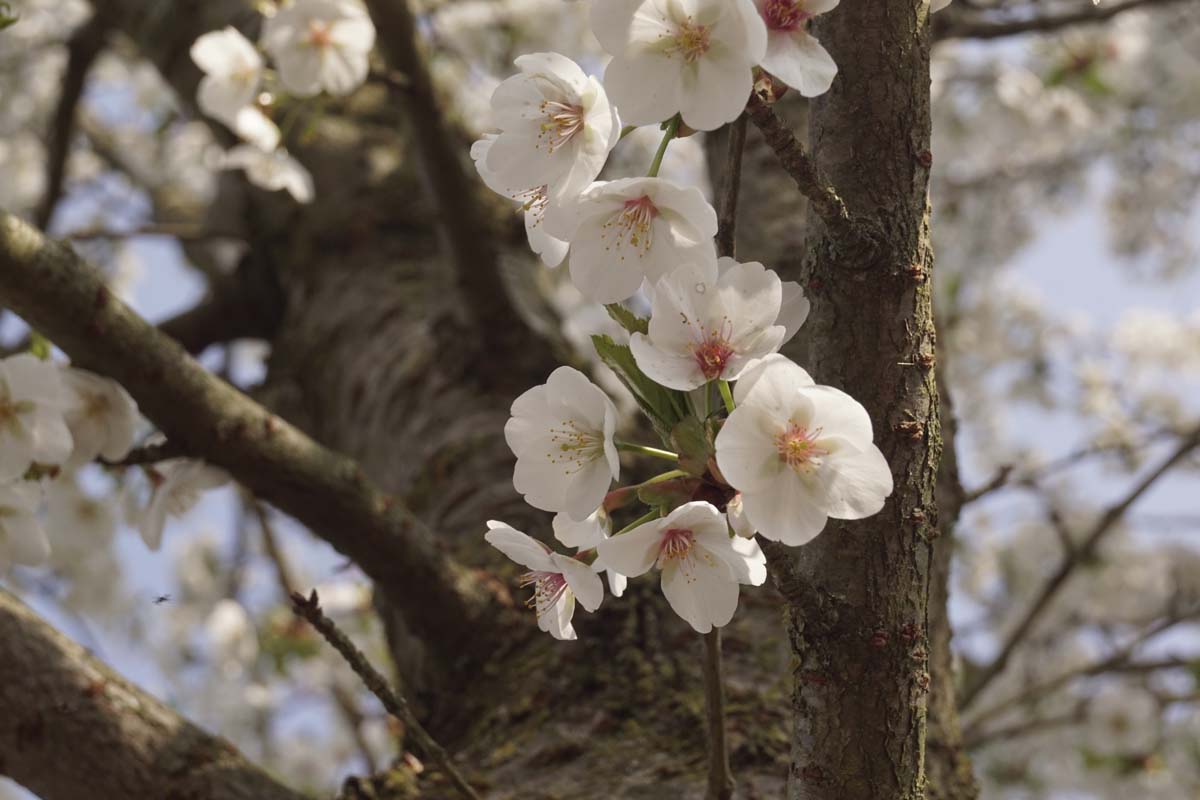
(858, 594)
(70, 727)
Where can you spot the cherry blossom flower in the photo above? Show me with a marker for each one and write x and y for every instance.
(32, 428)
(176, 486)
(232, 71)
(320, 44)
(793, 310)
(102, 417)
(557, 580)
(703, 330)
(799, 453)
(556, 128)
(689, 56)
(625, 231)
(701, 564)
(272, 171)
(937, 5)
(793, 55)
(585, 535)
(22, 540)
(533, 202)
(562, 435)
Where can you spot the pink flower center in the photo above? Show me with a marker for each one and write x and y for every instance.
(634, 224)
(676, 545)
(797, 447)
(785, 15)
(690, 40)
(319, 35)
(548, 588)
(713, 352)
(561, 122)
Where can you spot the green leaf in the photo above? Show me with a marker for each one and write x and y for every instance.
(690, 438)
(665, 407)
(7, 17)
(627, 319)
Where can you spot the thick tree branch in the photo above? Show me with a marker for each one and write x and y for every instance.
(70, 727)
(1080, 555)
(461, 223)
(55, 291)
(246, 305)
(967, 26)
(82, 49)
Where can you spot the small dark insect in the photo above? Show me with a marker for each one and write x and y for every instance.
(162, 598)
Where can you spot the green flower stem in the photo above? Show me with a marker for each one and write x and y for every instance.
(671, 129)
(649, 516)
(628, 129)
(726, 395)
(666, 476)
(654, 452)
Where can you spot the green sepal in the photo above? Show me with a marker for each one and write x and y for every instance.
(668, 495)
(692, 440)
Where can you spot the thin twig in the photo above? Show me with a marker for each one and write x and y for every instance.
(826, 202)
(283, 570)
(997, 481)
(720, 776)
(460, 220)
(1066, 568)
(1023, 727)
(148, 454)
(1007, 475)
(960, 26)
(310, 609)
(730, 190)
(82, 49)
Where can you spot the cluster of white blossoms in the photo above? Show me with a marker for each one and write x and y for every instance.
(316, 45)
(773, 455)
(54, 420)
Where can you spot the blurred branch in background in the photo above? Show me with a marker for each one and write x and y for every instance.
(55, 291)
(82, 50)
(1017, 18)
(1080, 554)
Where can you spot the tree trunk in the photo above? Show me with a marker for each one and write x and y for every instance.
(858, 602)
